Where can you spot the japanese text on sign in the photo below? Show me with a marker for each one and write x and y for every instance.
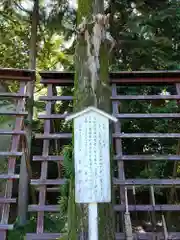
(92, 160)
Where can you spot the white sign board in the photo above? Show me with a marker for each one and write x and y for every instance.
(92, 155)
(92, 160)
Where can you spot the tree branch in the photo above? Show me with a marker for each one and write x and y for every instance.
(21, 8)
(6, 16)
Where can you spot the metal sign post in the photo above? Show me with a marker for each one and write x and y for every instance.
(92, 161)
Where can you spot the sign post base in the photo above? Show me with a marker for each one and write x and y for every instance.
(93, 221)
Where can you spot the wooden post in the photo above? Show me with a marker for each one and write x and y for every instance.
(23, 205)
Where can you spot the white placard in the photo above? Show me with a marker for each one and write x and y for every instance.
(92, 158)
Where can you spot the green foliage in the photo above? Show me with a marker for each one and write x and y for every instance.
(147, 37)
(52, 222)
(14, 40)
(20, 232)
(68, 174)
(68, 161)
(68, 208)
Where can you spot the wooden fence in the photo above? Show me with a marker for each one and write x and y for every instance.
(44, 185)
(20, 78)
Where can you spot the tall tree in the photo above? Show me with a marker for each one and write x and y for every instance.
(92, 85)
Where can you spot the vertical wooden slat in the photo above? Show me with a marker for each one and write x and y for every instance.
(23, 192)
(118, 148)
(164, 228)
(153, 202)
(175, 165)
(44, 166)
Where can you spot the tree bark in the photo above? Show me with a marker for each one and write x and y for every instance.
(84, 97)
(32, 64)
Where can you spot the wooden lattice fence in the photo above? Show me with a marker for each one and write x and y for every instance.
(20, 78)
(118, 80)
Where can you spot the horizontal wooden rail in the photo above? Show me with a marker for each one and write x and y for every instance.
(48, 158)
(54, 136)
(120, 116)
(13, 95)
(56, 98)
(119, 81)
(11, 154)
(130, 187)
(17, 74)
(147, 115)
(123, 157)
(118, 97)
(144, 208)
(145, 97)
(7, 200)
(115, 135)
(159, 182)
(43, 236)
(118, 236)
(44, 208)
(145, 80)
(59, 82)
(150, 236)
(50, 189)
(53, 116)
(148, 157)
(134, 77)
(48, 182)
(9, 176)
(13, 132)
(117, 208)
(6, 227)
(145, 135)
(12, 113)
(15, 78)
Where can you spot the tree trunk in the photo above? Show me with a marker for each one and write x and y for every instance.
(32, 65)
(85, 96)
(24, 178)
